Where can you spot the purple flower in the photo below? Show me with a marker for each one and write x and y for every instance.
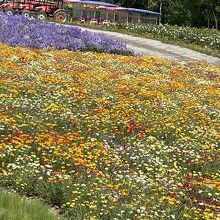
(20, 31)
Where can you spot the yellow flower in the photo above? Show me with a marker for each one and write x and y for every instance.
(186, 215)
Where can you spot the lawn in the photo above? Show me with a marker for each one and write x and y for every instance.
(106, 136)
(13, 207)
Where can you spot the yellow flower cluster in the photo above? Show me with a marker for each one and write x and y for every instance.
(105, 136)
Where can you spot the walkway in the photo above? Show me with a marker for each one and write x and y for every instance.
(150, 47)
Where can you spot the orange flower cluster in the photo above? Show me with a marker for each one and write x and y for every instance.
(105, 136)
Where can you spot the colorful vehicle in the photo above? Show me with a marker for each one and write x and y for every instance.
(38, 9)
(51, 9)
(9, 8)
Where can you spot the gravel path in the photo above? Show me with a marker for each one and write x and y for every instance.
(150, 47)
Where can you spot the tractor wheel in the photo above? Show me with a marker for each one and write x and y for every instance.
(9, 12)
(26, 14)
(60, 16)
(41, 16)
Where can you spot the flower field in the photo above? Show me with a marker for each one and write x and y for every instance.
(20, 31)
(106, 136)
(200, 39)
(204, 37)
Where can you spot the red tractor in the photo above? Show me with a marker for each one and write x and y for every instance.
(9, 7)
(38, 9)
(3, 2)
(51, 9)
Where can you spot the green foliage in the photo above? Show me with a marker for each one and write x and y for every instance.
(197, 13)
(203, 37)
(199, 39)
(13, 207)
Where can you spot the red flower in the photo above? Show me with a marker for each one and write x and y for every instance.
(208, 199)
(186, 184)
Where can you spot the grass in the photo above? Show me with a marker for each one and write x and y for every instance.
(121, 29)
(14, 207)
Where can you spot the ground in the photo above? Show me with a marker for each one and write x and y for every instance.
(151, 47)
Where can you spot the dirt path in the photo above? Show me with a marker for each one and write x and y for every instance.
(150, 47)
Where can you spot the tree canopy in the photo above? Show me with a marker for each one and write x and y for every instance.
(197, 13)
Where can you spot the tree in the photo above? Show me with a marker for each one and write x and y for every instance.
(196, 13)
(130, 3)
(212, 9)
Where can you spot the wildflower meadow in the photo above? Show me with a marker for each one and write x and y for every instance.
(105, 136)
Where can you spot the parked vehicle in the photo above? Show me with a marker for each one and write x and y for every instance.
(9, 7)
(48, 9)
(41, 10)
